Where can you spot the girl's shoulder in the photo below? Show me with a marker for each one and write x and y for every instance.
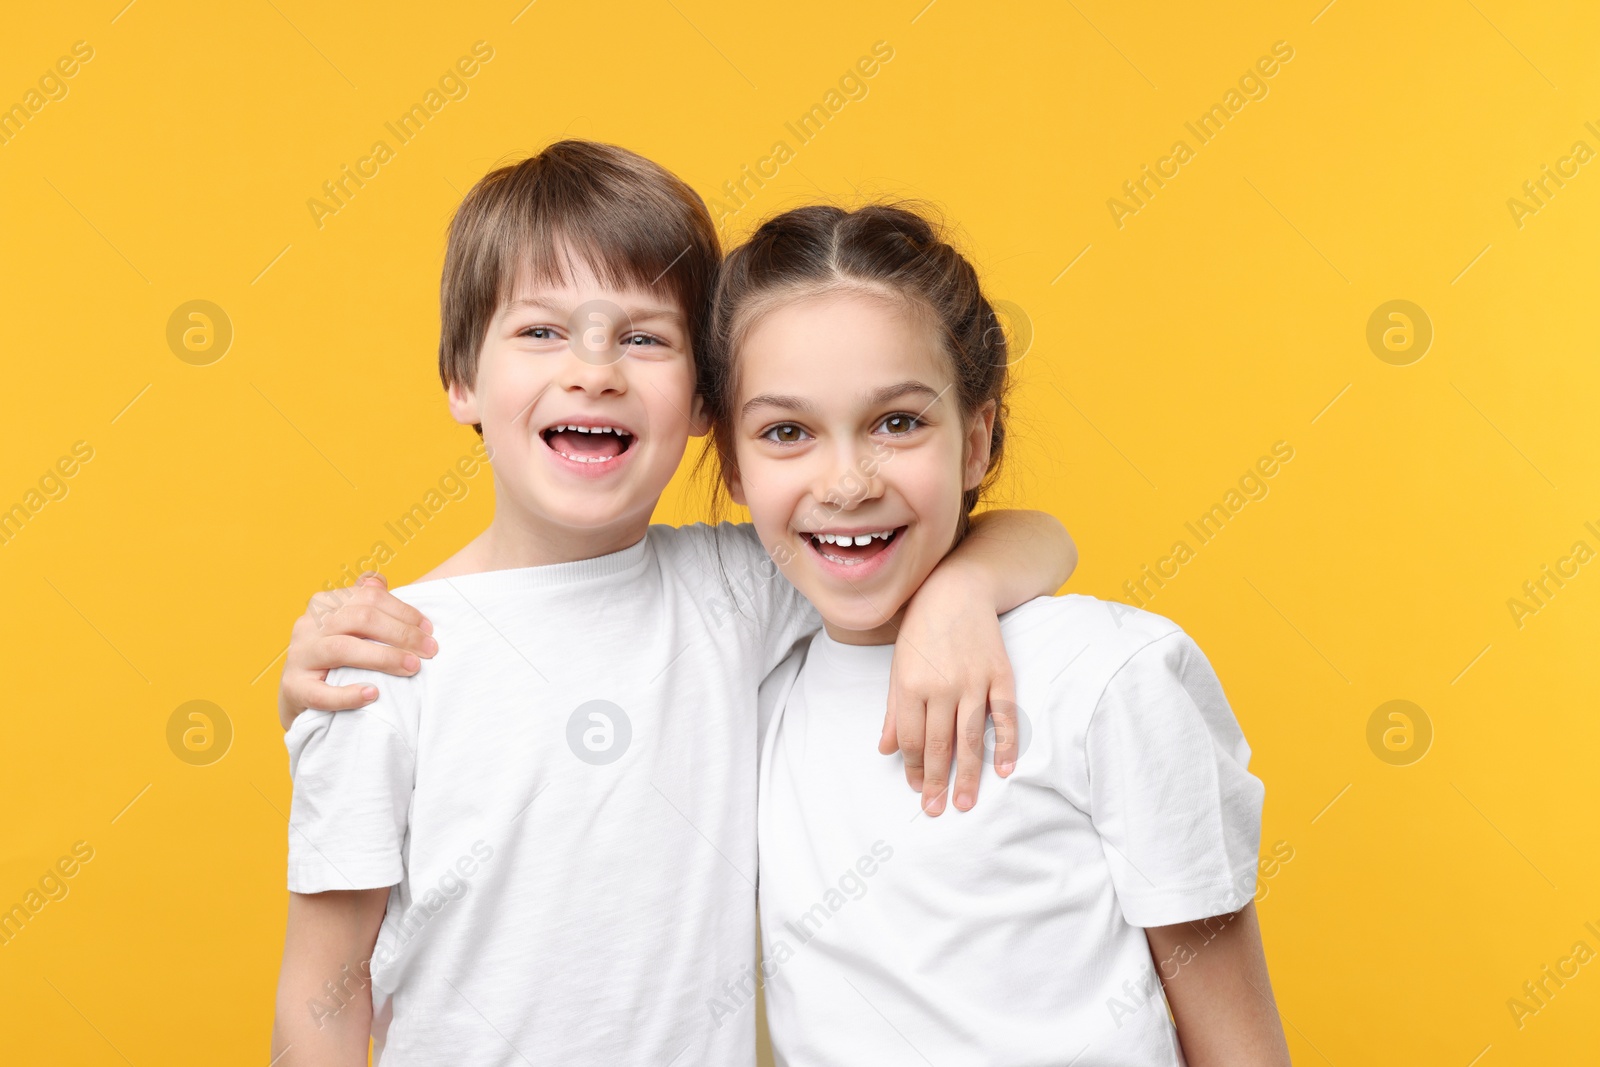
(1068, 650)
(1106, 626)
(1082, 664)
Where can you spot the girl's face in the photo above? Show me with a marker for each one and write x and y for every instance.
(852, 453)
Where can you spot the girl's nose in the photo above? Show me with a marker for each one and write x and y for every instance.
(853, 479)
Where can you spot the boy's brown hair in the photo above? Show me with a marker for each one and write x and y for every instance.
(632, 221)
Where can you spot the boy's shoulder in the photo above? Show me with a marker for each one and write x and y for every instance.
(698, 539)
(465, 610)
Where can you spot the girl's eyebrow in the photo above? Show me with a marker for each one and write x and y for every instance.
(877, 398)
(907, 388)
(777, 400)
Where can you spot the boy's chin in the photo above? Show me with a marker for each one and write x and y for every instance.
(597, 513)
(598, 520)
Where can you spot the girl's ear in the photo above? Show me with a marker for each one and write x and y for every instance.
(464, 404)
(735, 486)
(979, 434)
(699, 420)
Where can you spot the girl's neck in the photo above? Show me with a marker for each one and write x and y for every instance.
(886, 634)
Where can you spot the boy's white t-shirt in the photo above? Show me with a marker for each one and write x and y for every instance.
(1012, 933)
(563, 800)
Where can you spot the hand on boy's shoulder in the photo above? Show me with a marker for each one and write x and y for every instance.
(363, 626)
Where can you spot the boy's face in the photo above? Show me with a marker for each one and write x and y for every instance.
(586, 398)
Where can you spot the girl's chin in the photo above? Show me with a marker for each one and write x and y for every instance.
(855, 612)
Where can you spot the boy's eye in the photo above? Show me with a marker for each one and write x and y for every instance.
(785, 433)
(899, 424)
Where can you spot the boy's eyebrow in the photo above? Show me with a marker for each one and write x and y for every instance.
(877, 398)
(647, 312)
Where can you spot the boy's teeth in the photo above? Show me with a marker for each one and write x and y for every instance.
(590, 429)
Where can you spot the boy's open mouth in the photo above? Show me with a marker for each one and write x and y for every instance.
(587, 444)
(851, 549)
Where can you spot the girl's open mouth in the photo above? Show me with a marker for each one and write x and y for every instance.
(852, 549)
(587, 444)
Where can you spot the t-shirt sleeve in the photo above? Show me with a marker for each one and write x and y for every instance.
(1177, 811)
(353, 775)
(743, 586)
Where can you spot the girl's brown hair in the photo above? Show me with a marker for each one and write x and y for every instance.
(886, 249)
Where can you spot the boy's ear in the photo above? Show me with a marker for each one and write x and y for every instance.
(699, 420)
(979, 434)
(463, 404)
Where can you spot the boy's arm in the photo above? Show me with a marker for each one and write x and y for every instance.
(324, 1004)
(1215, 976)
(950, 665)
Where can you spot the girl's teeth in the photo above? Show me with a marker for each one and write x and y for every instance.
(855, 540)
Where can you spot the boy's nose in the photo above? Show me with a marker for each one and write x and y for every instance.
(595, 330)
(592, 369)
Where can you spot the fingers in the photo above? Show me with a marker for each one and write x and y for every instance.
(374, 624)
(393, 605)
(1003, 710)
(321, 696)
(888, 740)
(939, 729)
(343, 650)
(909, 727)
(368, 610)
(970, 721)
(363, 626)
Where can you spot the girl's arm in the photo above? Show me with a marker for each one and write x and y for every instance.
(1215, 976)
(950, 666)
(324, 1006)
(364, 626)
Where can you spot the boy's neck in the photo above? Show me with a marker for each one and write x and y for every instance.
(508, 544)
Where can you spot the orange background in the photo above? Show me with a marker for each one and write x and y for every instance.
(1168, 353)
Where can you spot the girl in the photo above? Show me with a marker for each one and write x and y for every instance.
(859, 397)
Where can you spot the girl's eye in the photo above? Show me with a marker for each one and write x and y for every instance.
(785, 433)
(540, 333)
(642, 339)
(899, 424)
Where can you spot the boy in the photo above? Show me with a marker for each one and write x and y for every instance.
(542, 849)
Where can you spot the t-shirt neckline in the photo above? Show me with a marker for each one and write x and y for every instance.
(550, 575)
(856, 661)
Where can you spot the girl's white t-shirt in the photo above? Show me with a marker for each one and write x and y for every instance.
(563, 800)
(1013, 933)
